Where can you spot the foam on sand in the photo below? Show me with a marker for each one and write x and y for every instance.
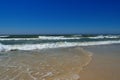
(51, 64)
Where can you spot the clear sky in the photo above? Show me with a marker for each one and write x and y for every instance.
(59, 16)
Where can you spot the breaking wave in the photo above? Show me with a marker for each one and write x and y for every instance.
(52, 45)
(16, 39)
(40, 38)
(3, 36)
(75, 37)
(102, 37)
(57, 37)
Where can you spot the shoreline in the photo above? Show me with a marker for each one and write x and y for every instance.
(49, 64)
(73, 63)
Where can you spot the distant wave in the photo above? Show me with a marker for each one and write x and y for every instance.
(7, 39)
(3, 36)
(52, 45)
(42, 38)
(102, 37)
(57, 37)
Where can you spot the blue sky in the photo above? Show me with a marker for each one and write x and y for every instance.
(59, 16)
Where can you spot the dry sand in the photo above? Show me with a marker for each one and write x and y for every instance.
(105, 64)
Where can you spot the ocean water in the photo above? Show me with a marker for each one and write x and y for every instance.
(37, 42)
(50, 57)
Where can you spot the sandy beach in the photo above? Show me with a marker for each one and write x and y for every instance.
(59, 39)
(105, 63)
(75, 63)
(50, 64)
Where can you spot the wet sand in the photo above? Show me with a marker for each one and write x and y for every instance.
(51, 64)
(105, 64)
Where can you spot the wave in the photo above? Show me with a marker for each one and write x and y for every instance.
(16, 39)
(3, 36)
(41, 38)
(102, 37)
(52, 45)
(6, 38)
(57, 37)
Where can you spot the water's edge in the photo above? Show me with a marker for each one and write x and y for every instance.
(48, 64)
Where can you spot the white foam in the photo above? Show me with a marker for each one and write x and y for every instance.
(97, 37)
(102, 37)
(57, 37)
(110, 36)
(7, 39)
(52, 45)
(41, 38)
(47, 74)
(3, 36)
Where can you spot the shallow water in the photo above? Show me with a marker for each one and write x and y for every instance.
(49, 64)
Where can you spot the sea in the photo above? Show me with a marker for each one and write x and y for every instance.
(47, 57)
(37, 42)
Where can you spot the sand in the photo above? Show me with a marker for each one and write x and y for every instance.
(105, 64)
(62, 64)
(52, 64)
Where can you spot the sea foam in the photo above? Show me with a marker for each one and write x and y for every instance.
(102, 37)
(40, 38)
(52, 45)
